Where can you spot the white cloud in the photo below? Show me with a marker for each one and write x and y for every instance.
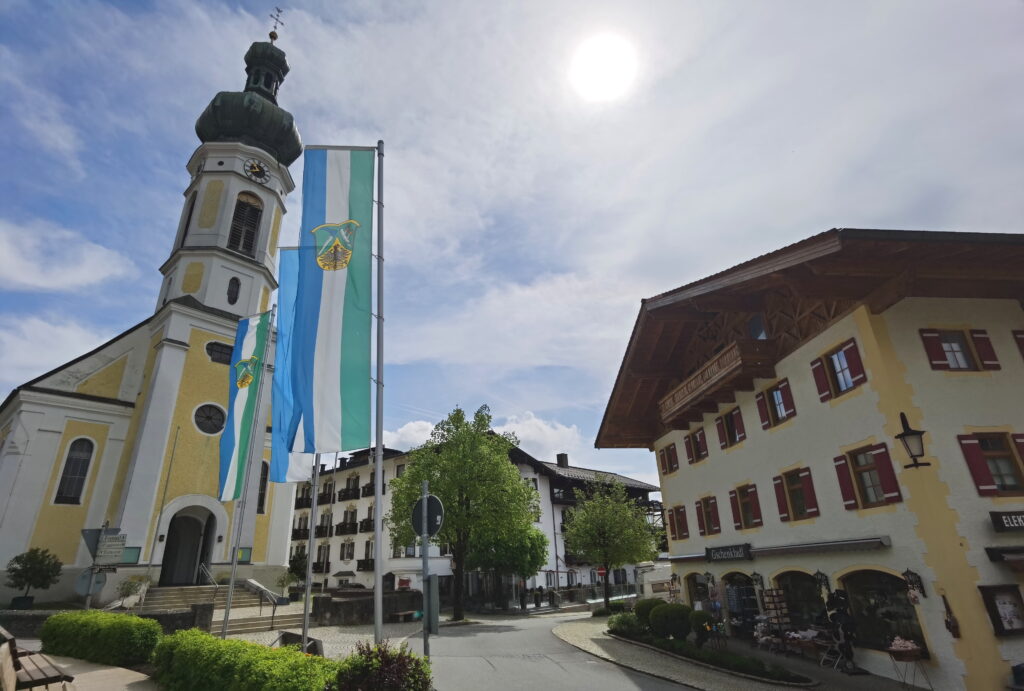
(543, 439)
(38, 256)
(34, 345)
(409, 435)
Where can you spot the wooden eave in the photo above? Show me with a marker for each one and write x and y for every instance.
(800, 290)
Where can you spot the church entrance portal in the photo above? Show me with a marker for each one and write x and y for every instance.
(190, 539)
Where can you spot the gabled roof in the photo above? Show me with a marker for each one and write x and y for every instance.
(590, 475)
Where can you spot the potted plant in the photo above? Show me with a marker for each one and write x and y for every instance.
(903, 650)
(285, 580)
(130, 586)
(37, 568)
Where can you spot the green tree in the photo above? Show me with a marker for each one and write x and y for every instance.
(521, 553)
(608, 528)
(297, 567)
(485, 500)
(37, 568)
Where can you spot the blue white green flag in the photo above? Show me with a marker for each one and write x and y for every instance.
(244, 381)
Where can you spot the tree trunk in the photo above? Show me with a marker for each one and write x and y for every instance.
(607, 586)
(458, 570)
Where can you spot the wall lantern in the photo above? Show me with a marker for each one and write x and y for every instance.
(675, 579)
(709, 579)
(160, 539)
(823, 582)
(913, 442)
(757, 579)
(914, 581)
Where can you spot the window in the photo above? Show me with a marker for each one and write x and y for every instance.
(839, 371)
(755, 328)
(368, 549)
(571, 576)
(348, 551)
(549, 579)
(707, 516)
(76, 467)
(530, 482)
(959, 350)
(677, 527)
(219, 352)
(261, 501)
(993, 465)
(668, 459)
(881, 608)
(730, 428)
(794, 492)
(866, 478)
(746, 509)
(696, 446)
(209, 419)
(245, 223)
(775, 405)
(234, 285)
(400, 470)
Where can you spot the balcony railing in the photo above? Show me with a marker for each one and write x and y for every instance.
(321, 567)
(741, 360)
(344, 528)
(348, 493)
(324, 531)
(300, 533)
(325, 498)
(368, 490)
(364, 565)
(366, 525)
(303, 502)
(572, 559)
(563, 495)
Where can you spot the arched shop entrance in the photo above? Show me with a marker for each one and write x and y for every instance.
(802, 596)
(881, 609)
(190, 538)
(740, 601)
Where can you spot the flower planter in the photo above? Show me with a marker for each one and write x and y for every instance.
(905, 654)
(22, 602)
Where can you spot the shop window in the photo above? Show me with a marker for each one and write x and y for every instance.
(838, 371)
(993, 465)
(707, 516)
(866, 478)
(730, 428)
(746, 509)
(959, 350)
(794, 493)
(741, 602)
(775, 405)
(881, 609)
(803, 598)
(76, 468)
(245, 224)
(668, 459)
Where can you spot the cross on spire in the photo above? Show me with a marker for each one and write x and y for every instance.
(277, 21)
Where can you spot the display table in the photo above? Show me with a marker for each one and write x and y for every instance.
(907, 664)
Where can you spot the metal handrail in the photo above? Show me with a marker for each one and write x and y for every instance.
(205, 570)
(265, 594)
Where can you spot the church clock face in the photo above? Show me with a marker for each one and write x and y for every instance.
(255, 170)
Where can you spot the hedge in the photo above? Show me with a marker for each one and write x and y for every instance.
(194, 659)
(642, 609)
(101, 637)
(625, 624)
(669, 619)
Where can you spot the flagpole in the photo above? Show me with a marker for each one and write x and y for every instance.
(309, 554)
(257, 433)
(378, 471)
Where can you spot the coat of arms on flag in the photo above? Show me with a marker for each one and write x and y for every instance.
(334, 244)
(244, 371)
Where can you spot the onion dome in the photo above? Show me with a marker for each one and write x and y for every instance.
(252, 116)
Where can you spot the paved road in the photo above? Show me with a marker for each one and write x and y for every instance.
(522, 653)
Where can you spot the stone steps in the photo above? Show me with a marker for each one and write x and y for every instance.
(184, 597)
(255, 624)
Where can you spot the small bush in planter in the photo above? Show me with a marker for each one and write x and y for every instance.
(625, 624)
(37, 568)
(700, 622)
(668, 619)
(383, 668)
(600, 612)
(643, 608)
(102, 637)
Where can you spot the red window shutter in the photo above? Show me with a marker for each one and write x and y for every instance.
(1019, 337)
(702, 443)
(684, 531)
(983, 347)
(673, 458)
(821, 379)
(787, 398)
(737, 421)
(672, 524)
(701, 528)
(857, 374)
(762, 410)
(755, 505)
(977, 465)
(688, 447)
(933, 348)
(720, 424)
(845, 482)
(780, 497)
(810, 498)
(886, 474)
(663, 462)
(715, 527)
(735, 503)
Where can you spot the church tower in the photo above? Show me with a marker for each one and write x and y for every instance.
(224, 254)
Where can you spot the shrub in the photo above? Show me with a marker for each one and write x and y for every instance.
(102, 637)
(700, 622)
(37, 568)
(626, 624)
(383, 668)
(643, 608)
(194, 659)
(600, 612)
(735, 662)
(669, 619)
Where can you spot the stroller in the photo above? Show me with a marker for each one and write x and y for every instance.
(839, 634)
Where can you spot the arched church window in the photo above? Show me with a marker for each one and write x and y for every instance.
(76, 467)
(261, 501)
(188, 219)
(209, 418)
(245, 223)
(266, 80)
(219, 352)
(234, 285)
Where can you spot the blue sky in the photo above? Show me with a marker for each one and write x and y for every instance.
(524, 223)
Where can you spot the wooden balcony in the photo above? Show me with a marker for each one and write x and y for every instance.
(733, 369)
(364, 565)
(343, 528)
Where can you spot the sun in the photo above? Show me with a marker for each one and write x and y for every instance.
(603, 67)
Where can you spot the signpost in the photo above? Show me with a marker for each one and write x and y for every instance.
(427, 517)
(106, 547)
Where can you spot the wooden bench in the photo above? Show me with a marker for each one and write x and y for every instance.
(407, 615)
(22, 669)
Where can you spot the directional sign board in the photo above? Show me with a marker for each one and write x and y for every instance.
(92, 538)
(435, 516)
(110, 549)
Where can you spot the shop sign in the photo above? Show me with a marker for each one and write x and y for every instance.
(1005, 521)
(728, 553)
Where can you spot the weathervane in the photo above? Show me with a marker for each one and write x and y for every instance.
(277, 20)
